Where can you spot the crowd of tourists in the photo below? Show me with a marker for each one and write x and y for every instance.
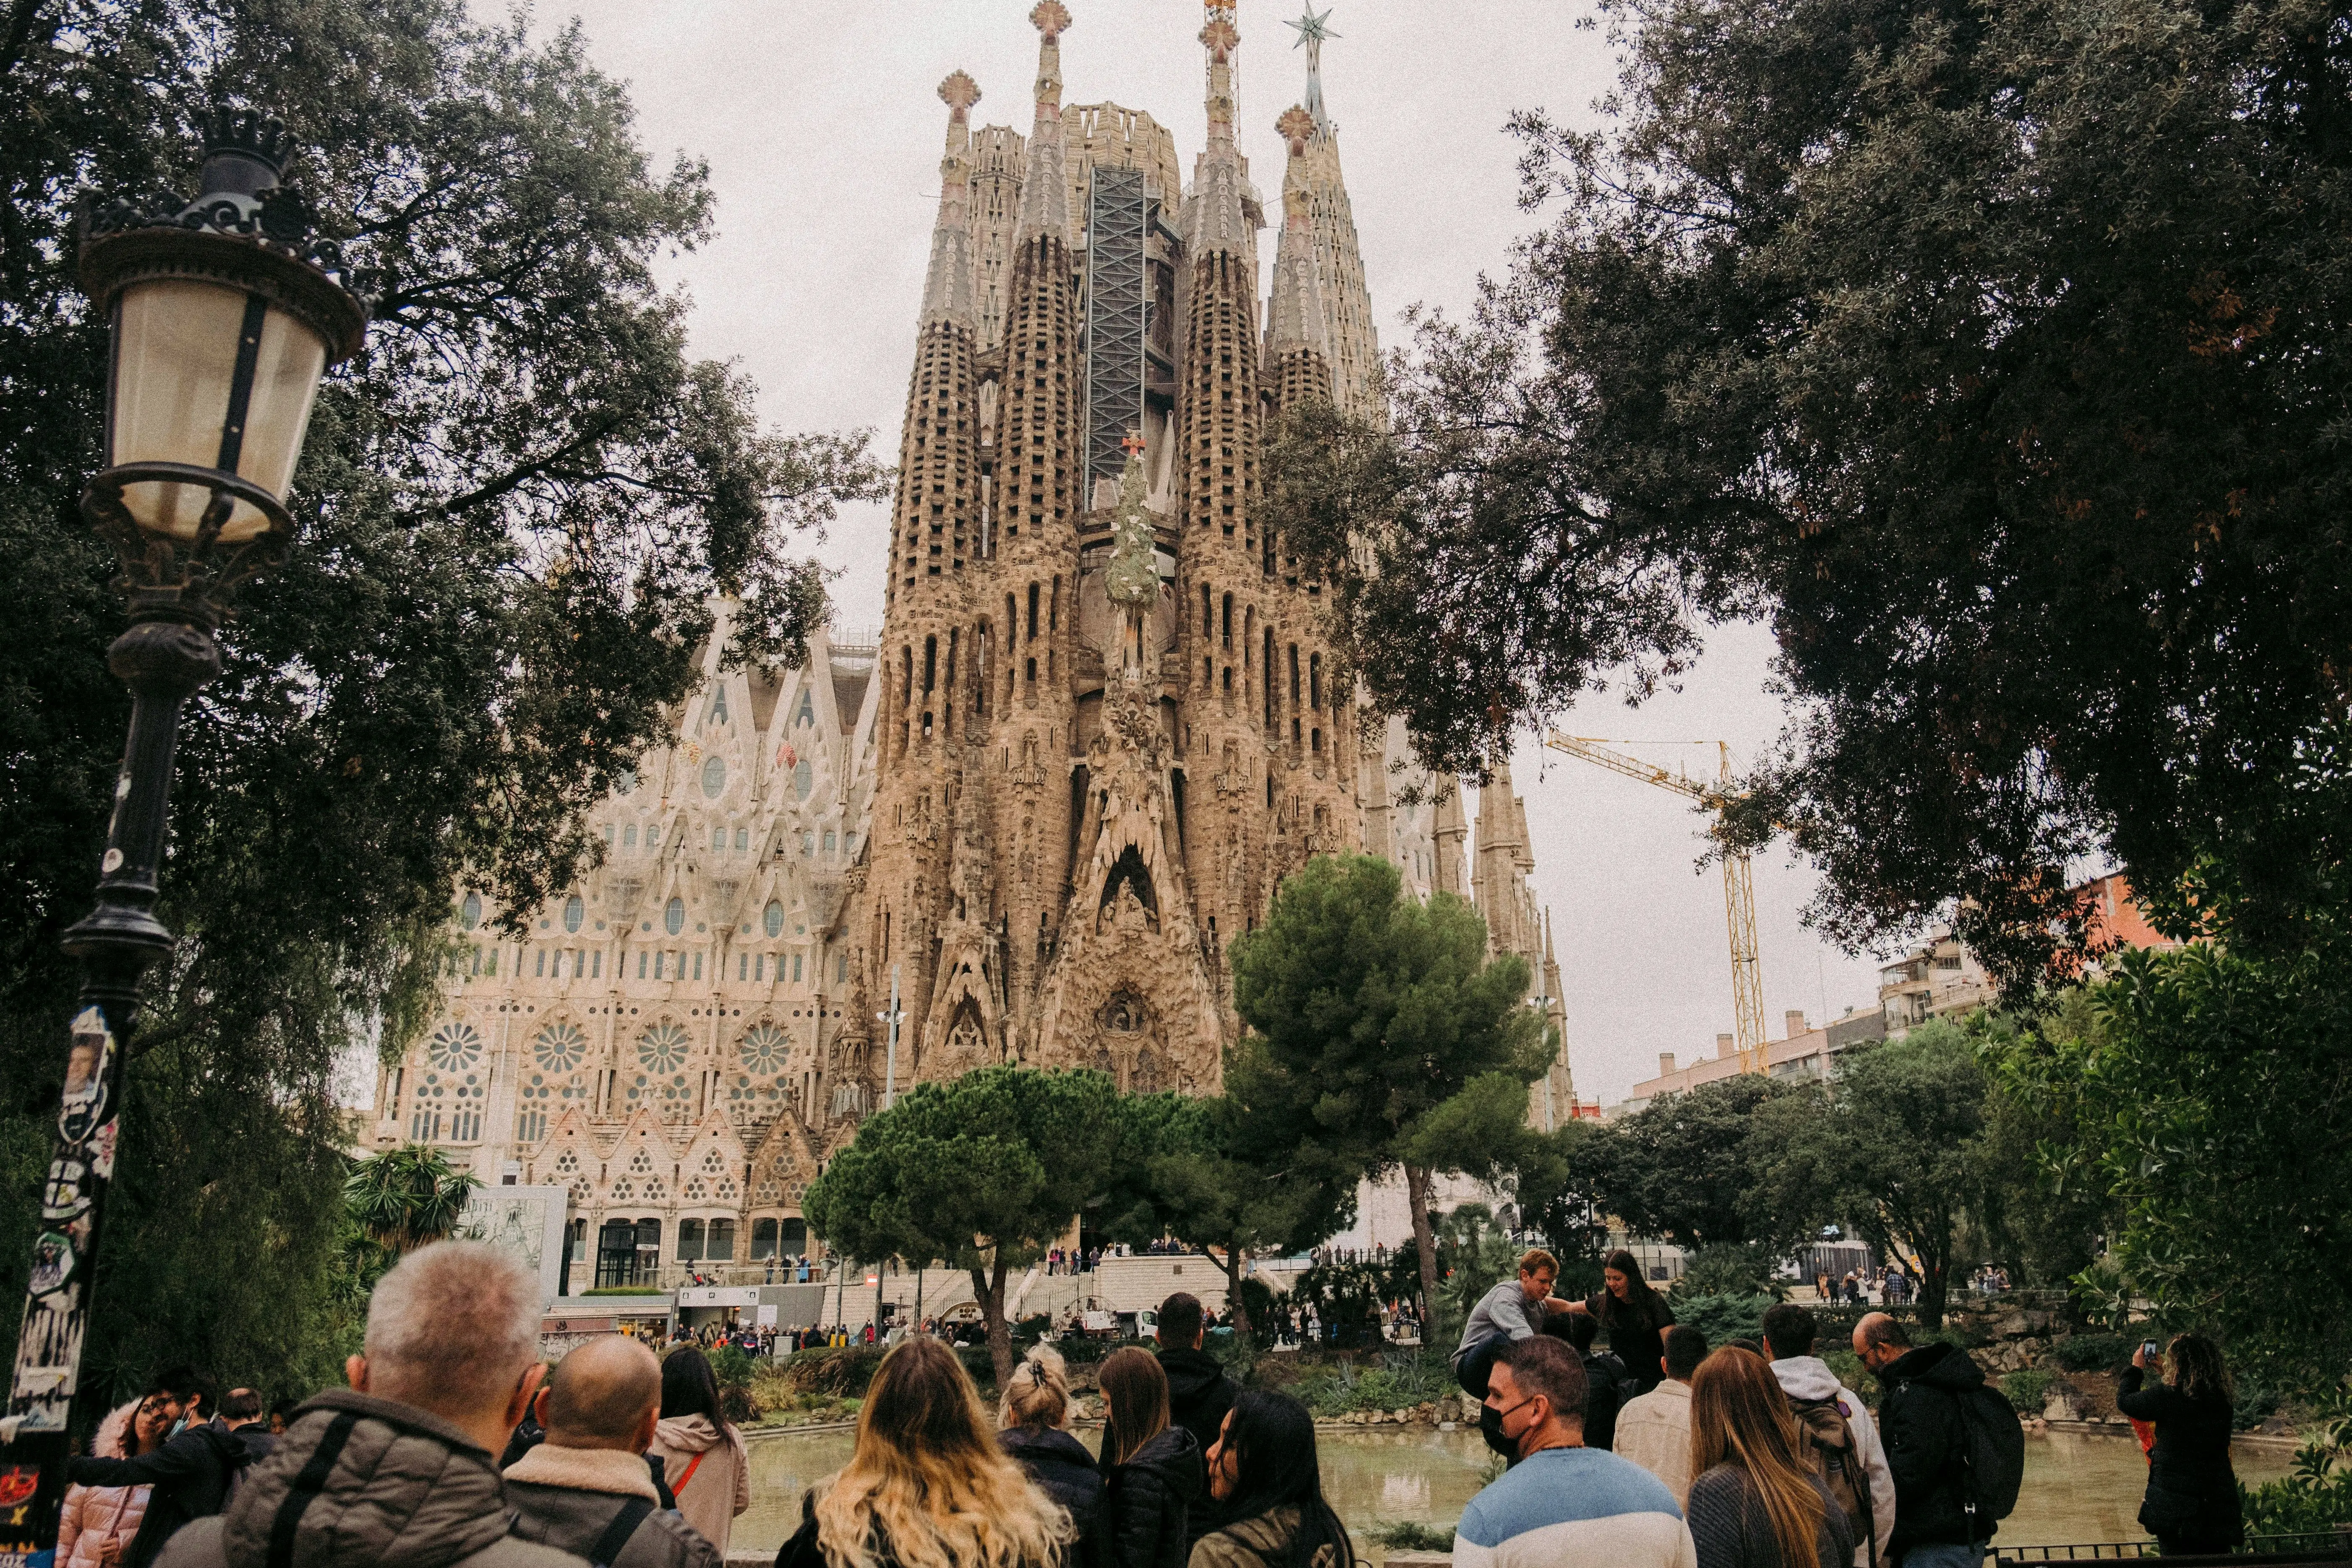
(456, 1447)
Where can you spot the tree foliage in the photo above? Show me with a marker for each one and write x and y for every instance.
(982, 1172)
(515, 504)
(408, 1198)
(1682, 1167)
(1996, 357)
(1380, 1036)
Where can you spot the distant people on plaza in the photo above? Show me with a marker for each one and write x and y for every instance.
(99, 1524)
(1152, 1471)
(396, 1471)
(1265, 1481)
(1608, 1381)
(586, 1490)
(1511, 1312)
(189, 1475)
(1653, 1429)
(1198, 1392)
(1034, 1425)
(1634, 1317)
(1560, 1502)
(927, 1486)
(2191, 1504)
(1940, 1521)
(1755, 1499)
(1845, 1450)
(703, 1461)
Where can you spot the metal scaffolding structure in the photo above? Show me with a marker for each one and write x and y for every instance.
(1116, 317)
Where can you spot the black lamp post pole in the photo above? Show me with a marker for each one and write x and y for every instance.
(243, 233)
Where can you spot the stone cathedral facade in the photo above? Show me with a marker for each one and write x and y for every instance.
(1102, 722)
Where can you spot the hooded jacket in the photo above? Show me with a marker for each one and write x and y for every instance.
(363, 1482)
(720, 1486)
(1150, 1500)
(1060, 1463)
(567, 1499)
(188, 1479)
(1920, 1422)
(1199, 1395)
(1809, 1378)
(95, 1515)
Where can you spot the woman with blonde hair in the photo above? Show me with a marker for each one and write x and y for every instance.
(1152, 1470)
(1035, 1420)
(926, 1486)
(1755, 1501)
(2191, 1503)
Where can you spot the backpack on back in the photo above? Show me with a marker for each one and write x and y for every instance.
(1837, 1460)
(1992, 1448)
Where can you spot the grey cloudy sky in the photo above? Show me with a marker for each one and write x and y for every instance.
(823, 129)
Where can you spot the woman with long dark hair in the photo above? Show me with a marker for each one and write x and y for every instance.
(1755, 1500)
(1265, 1478)
(1151, 1468)
(2191, 1503)
(1634, 1317)
(703, 1461)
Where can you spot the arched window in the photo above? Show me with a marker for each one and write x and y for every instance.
(574, 911)
(469, 914)
(803, 779)
(772, 921)
(718, 839)
(674, 916)
(742, 839)
(629, 836)
(714, 776)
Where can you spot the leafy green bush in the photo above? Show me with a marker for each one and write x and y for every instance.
(2092, 1353)
(1729, 1269)
(1725, 1317)
(2027, 1391)
(1847, 1368)
(2258, 1399)
(2317, 1497)
(1410, 1535)
(1079, 1351)
(842, 1372)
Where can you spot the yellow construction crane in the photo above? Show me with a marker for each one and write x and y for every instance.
(1739, 884)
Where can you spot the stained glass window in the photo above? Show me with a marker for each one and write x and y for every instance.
(772, 921)
(674, 916)
(662, 1049)
(765, 1047)
(559, 1048)
(453, 1046)
(714, 776)
(574, 911)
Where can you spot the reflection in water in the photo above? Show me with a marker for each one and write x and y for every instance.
(2078, 1487)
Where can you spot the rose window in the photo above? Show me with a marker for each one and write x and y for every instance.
(453, 1046)
(765, 1048)
(559, 1048)
(662, 1049)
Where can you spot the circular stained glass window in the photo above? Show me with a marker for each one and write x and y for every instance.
(662, 1049)
(453, 1046)
(469, 914)
(559, 1048)
(674, 916)
(574, 911)
(714, 776)
(773, 920)
(765, 1047)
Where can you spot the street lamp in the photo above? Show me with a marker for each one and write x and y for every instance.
(223, 313)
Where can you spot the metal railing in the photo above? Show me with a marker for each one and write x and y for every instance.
(2312, 1546)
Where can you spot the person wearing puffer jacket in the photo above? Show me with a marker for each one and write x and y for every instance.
(1034, 1429)
(703, 1461)
(1153, 1471)
(99, 1522)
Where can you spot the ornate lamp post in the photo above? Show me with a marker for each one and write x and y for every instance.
(224, 314)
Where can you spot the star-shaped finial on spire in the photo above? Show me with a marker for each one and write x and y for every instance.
(1311, 27)
(1050, 17)
(959, 93)
(1295, 127)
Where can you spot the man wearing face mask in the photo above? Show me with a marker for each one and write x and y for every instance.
(1560, 1504)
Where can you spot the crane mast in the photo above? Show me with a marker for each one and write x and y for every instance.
(1739, 880)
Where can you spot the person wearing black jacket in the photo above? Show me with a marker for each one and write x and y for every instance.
(1635, 1317)
(1607, 1383)
(1034, 1419)
(190, 1475)
(1152, 1471)
(1199, 1394)
(2191, 1505)
(1921, 1425)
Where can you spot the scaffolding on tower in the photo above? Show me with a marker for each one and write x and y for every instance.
(1738, 883)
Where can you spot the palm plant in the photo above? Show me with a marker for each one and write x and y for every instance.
(406, 1198)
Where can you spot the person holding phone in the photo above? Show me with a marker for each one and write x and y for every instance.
(2191, 1503)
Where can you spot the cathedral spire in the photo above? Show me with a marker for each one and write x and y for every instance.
(1296, 321)
(1045, 190)
(948, 286)
(1312, 30)
(1219, 219)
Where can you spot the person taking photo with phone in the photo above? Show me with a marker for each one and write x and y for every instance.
(2191, 1504)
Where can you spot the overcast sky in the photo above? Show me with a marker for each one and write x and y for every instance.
(823, 129)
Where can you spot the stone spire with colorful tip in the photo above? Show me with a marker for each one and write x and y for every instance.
(1298, 339)
(948, 286)
(1045, 189)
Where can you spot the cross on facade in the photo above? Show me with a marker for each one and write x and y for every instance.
(1133, 445)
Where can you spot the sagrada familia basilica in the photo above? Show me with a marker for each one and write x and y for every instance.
(1101, 723)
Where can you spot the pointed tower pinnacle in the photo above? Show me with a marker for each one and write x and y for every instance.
(949, 286)
(1045, 189)
(1312, 30)
(1295, 321)
(1218, 221)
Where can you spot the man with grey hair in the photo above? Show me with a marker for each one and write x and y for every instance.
(587, 1488)
(397, 1471)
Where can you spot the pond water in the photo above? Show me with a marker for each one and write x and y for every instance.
(2078, 1487)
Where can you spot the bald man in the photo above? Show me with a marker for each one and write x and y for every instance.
(586, 1490)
